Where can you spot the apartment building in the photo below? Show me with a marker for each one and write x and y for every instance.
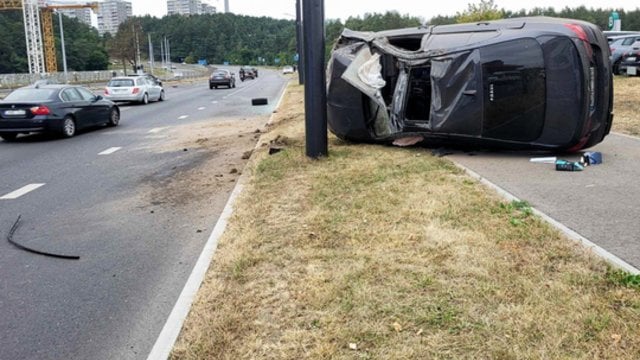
(111, 13)
(189, 7)
(84, 15)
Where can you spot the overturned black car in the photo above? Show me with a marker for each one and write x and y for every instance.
(522, 83)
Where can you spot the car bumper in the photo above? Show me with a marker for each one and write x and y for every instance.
(124, 97)
(219, 82)
(28, 126)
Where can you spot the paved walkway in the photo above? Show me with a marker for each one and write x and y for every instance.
(601, 203)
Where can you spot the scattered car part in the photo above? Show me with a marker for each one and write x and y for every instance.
(12, 232)
(521, 83)
(259, 101)
(565, 165)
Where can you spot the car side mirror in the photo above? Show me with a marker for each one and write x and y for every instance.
(98, 98)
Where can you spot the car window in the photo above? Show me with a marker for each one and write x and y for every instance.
(120, 83)
(86, 94)
(628, 41)
(70, 94)
(30, 94)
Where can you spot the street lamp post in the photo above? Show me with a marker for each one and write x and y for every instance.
(315, 95)
(64, 53)
(299, 42)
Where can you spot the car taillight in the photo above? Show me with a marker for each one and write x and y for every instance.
(612, 49)
(40, 110)
(136, 90)
(106, 91)
(582, 35)
(227, 77)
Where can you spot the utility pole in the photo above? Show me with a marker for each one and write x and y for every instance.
(64, 52)
(151, 57)
(315, 94)
(138, 61)
(299, 42)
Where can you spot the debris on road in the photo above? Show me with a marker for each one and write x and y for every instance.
(591, 158)
(12, 232)
(259, 101)
(565, 165)
(544, 160)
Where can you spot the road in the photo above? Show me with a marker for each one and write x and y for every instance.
(599, 203)
(136, 203)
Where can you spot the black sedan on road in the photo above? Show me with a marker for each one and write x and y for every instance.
(61, 109)
(222, 78)
(520, 83)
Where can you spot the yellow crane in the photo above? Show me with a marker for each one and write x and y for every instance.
(46, 11)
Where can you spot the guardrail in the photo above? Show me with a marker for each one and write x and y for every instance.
(12, 81)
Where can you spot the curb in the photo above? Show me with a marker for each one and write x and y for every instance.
(571, 234)
(171, 329)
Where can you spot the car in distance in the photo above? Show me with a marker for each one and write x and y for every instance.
(136, 88)
(287, 69)
(247, 72)
(61, 109)
(222, 77)
(619, 46)
(630, 61)
(521, 83)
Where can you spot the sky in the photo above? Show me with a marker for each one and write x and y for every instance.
(342, 9)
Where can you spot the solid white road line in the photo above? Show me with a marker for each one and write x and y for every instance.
(22, 191)
(157, 130)
(201, 108)
(110, 151)
(214, 102)
(183, 117)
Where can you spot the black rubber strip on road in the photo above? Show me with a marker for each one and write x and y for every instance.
(13, 230)
(259, 101)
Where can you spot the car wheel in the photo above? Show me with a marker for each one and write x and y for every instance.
(616, 68)
(216, 86)
(68, 127)
(161, 96)
(8, 137)
(234, 84)
(145, 99)
(210, 86)
(114, 117)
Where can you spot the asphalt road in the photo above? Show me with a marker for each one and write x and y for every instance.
(599, 203)
(134, 256)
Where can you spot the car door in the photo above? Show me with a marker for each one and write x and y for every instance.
(152, 88)
(76, 105)
(97, 112)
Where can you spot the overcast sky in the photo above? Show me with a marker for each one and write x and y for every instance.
(342, 9)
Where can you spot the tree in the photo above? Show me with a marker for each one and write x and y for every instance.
(484, 10)
(125, 43)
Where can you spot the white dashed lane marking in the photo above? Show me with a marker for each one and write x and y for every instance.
(22, 191)
(201, 108)
(110, 151)
(157, 130)
(183, 117)
(214, 102)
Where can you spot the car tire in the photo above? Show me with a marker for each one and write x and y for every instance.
(162, 96)
(145, 99)
(234, 84)
(616, 68)
(210, 86)
(216, 87)
(114, 117)
(68, 128)
(8, 136)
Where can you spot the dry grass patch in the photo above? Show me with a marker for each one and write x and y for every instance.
(386, 253)
(625, 105)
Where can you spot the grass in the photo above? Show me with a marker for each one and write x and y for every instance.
(626, 95)
(385, 253)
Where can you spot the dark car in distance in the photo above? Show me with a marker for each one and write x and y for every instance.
(61, 109)
(222, 77)
(521, 83)
(248, 72)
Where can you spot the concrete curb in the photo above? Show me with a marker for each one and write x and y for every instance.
(171, 330)
(586, 243)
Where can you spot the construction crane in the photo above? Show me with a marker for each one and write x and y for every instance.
(40, 53)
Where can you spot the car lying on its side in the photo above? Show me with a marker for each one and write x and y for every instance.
(136, 88)
(61, 109)
(522, 83)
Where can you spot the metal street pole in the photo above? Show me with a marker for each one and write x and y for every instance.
(315, 95)
(150, 55)
(162, 53)
(64, 53)
(299, 42)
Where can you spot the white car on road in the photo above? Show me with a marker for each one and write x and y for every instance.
(140, 88)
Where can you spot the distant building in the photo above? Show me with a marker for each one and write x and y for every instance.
(83, 15)
(226, 6)
(189, 7)
(111, 13)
